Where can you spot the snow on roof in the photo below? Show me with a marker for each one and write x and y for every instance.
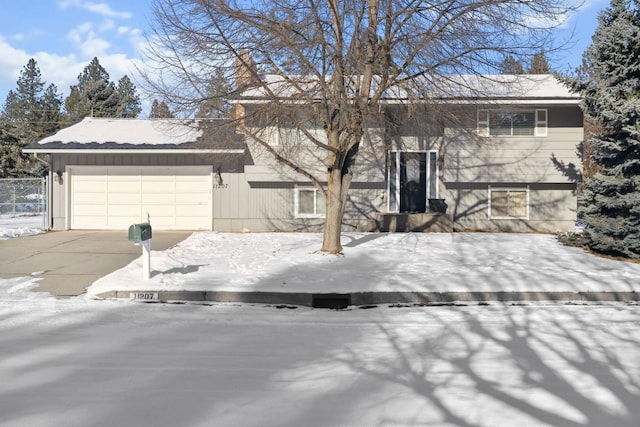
(128, 131)
(517, 87)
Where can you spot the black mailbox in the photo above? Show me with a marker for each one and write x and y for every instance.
(140, 232)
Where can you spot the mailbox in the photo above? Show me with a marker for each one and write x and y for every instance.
(140, 232)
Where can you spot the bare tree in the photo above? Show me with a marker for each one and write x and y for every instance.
(335, 61)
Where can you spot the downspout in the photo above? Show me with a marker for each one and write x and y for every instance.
(49, 190)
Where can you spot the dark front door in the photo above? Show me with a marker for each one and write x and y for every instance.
(412, 178)
(413, 182)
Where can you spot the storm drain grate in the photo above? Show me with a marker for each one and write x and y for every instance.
(335, 301)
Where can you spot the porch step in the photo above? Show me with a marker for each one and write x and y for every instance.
(431, 222)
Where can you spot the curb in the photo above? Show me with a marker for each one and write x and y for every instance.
(342, 300)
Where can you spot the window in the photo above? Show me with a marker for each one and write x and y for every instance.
(309, 203)
(512, 123)
(508, 203)
(290, 135)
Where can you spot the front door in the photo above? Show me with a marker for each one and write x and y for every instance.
(411, 180)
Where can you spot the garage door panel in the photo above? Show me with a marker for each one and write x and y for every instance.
(124, 198)
(123, 186)
(91, 210)
(89, 222)
(158, 198)
(192, 198)
(123, 210)
(123, 174)
(191, 211)
(90, 187)
(91, 197)
(190, 187)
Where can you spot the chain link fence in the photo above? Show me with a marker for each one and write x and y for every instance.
(23, 203)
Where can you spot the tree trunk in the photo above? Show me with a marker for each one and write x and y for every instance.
(333, 217)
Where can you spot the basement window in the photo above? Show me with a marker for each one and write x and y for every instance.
(509, 203)
(309, 203)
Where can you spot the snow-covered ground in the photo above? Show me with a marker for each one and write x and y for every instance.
(426, 262)
(85, 362)
(15, 226)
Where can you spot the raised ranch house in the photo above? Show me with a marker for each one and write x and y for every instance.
(503, 159)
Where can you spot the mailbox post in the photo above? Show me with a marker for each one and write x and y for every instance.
(140, 234)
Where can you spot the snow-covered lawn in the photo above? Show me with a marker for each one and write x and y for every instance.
(15, 226)
(431, 262)
(83, 362)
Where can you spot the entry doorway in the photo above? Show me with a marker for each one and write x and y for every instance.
(412, 180)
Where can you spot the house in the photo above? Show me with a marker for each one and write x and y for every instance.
(502, 158)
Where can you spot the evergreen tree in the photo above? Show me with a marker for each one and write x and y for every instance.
(539, 64)
(511, 65)
(30, 113)
(94, 95)
(13, 162)
(51, 102)
(97, 96)
(610, 201)
(214, 104)
(160, 110)
(128, 100)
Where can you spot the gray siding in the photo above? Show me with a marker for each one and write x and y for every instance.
(257, 194)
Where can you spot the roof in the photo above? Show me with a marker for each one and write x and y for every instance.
(149, 135)
(521, 88)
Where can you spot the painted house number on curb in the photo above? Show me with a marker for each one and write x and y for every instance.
(146, 296)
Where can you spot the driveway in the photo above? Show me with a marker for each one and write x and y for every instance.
(70, 261)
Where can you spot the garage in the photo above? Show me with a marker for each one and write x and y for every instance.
(112, 197)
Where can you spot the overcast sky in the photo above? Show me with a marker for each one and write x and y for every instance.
(65, 35)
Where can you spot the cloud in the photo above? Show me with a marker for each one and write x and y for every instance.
(102, 9)
(87, 41)
(11, 61)
(105, 10)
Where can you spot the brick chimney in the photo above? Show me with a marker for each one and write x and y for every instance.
(246, 76)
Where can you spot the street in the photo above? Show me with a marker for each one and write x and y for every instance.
(80, 362)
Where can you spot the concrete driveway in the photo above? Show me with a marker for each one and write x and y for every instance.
(70, 261)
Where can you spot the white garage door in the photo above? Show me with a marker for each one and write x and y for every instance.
(111, 198)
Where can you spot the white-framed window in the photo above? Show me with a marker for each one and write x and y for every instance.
(508, 203)
(309, 203)
(513, 122)
(291, 136)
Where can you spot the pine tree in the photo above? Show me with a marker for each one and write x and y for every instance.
(539, 64)
(511, 65)
(128, 100)
(94, 95)
(214, 104)
(30, 113)
(160, 110)
(610, 202)
(97, 96)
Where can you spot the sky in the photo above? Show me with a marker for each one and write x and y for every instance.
(65, 35)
